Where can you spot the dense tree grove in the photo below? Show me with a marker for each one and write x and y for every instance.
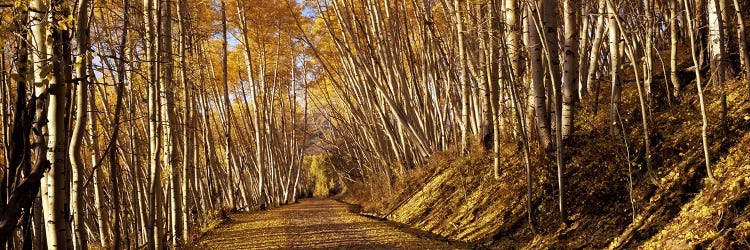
(136, 124)
(129, 124)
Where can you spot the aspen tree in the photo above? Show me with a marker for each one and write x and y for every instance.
(168, 118)
(583, 47)
(513, 31)
(615, 60)
(704, 128)
(39, 59)
(596, 44)
(742, 42)
(187, 165)
(494, 78)
(56, 139)
(648, 60)
(74, 151)
(463, 77)
(228, 105)
(114, 172)
(570, 67)
(716, 54)
(673, 5)
(536, 68)
(154, 227)
(549, 21)
(99, 204)
(47, 60)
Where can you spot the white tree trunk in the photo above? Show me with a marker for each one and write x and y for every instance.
(570, 67)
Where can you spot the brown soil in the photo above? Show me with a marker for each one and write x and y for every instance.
(315, 224)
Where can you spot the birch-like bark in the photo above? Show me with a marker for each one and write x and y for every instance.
(187, 164)
(716, 54)
(114, 172)
(536, 68)
(228, 107)
(99, 205)
(696, 62)
(742, 41)
(154, 228)
(596, 47)
(570, 67)
(74, 150)
(56, 134)
(614, 57)
(463, 78)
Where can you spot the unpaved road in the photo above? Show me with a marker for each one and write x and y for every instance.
(315, 224)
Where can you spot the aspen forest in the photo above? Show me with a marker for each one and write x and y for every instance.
(374, 124)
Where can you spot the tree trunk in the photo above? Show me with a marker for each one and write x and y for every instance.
(570, 67)
(99, 205)
(696, 63)
(114, 172)
(187, 165)
(154, 228)
(74, 151)
(596, 47)
(463, 78)
(228, 107)
(742, 42)
(614, 55)
(673, 48)
(537, 75)
(716, 54)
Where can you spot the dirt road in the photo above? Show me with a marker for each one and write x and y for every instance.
(315, 224)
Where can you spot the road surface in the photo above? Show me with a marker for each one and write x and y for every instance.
(316, 224)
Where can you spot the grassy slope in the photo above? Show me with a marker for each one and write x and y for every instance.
(458, 197)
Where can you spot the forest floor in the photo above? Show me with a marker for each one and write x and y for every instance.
(317, 224)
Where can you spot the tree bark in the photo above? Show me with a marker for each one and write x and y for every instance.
(570, 67)
(74, 151)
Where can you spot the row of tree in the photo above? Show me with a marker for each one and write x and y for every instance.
(135, 123)
(409, 78)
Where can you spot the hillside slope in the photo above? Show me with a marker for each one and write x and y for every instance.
(459, 198)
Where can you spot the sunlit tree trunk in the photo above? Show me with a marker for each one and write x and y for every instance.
(596, 47)
(549, 21)
(114, 172)
(74, 151)
(463, 78)
(513, 36)
(742, 40)
(570, 67)
(39, 59)
(99, 205)
(704, 128)
(228, 107)
(187, 165)
(154, 227)
(48, 60)
(583, 49)
(716, 54)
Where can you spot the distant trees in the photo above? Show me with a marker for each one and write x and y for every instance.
(104, 82)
